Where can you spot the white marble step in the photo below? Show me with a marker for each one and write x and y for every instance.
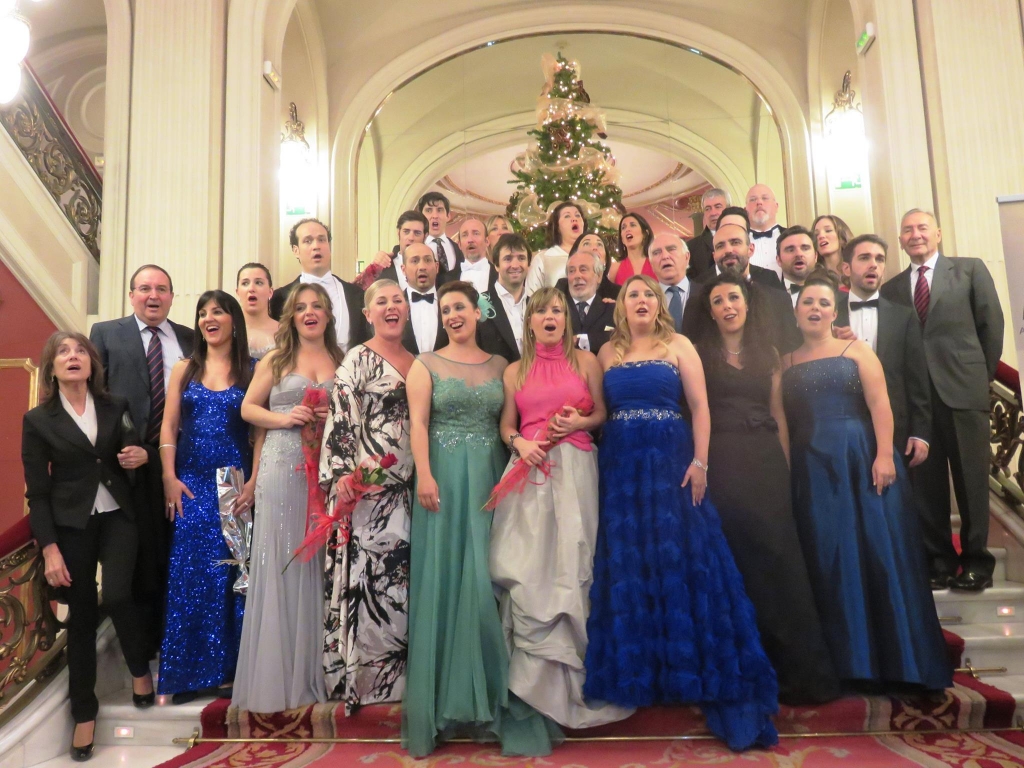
(994, 645)
(1002, 602)
(119, 756)
(119, 721)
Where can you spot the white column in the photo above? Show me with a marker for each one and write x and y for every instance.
(177, 135)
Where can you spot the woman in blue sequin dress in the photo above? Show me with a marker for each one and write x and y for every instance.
(670, 622)
(854, 510)
(202, 431)
(457, 676)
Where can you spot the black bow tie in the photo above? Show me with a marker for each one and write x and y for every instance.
(422, 297)
(766, 233)
(855, 305)
(794, 288)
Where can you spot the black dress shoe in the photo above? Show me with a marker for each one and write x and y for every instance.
(971, 581)
(184, 697)
(81, 754)
(940, 580)
(144, 700)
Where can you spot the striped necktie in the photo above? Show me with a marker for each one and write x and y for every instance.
(922, 294)
(157, 395)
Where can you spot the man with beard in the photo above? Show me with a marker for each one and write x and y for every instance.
(763, 210)
(796, 258)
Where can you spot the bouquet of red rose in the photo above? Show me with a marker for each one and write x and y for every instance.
(368, 476)
(312, 439)
(515, 479)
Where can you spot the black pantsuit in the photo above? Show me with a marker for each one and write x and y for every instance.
(109, 538)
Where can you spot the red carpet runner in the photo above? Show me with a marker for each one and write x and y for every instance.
(926, 720)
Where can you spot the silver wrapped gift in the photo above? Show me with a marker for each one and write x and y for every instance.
(237, 529)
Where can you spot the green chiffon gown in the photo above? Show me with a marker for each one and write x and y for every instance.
(457, 677)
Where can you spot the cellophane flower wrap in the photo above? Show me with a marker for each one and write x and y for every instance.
(515, 479)
(236, 528)
(367, 477)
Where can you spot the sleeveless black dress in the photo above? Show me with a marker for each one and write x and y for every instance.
(748, 481)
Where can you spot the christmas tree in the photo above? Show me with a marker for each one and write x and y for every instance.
(565, 159)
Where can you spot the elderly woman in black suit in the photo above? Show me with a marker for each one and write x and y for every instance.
(77, 448)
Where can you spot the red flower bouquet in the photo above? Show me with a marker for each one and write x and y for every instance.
(312, 440)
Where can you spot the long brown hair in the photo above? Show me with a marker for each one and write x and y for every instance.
(537, 302)
(241, 367)
(286, 340)
(664, 325)
(96, 381)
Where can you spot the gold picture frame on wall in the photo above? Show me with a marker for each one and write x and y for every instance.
(25, 364)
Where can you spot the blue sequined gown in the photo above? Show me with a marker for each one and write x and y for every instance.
(204, 614)
(669, 619)
(864, 552)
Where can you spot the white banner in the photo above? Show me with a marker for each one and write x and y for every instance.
(1011, 219)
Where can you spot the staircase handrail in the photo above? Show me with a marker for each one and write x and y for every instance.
(32, 639)
(1006, 420)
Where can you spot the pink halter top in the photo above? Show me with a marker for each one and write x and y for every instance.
(550, 384)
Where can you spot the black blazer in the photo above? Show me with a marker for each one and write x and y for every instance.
(777, 301)
(409, 335)
(598, 324)
(495, 335)
(63, 469)
(901, 352)
(963, 334)
(606, 289)
(702, 254)
(123, 353)
(768, 278)
(442, 264)
(358, 328)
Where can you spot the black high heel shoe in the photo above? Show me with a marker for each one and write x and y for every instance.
(81, 754)
(143, 700)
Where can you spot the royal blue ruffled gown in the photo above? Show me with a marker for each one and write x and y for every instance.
(864, 552)
(669, 619)
(204, 615)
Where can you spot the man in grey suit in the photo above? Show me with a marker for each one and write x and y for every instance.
(962, 323)
(138, 353)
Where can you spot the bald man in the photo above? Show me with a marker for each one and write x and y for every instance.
(670, 258)
(476, 268)
(763, 210)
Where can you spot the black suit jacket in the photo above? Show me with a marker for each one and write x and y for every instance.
(776, 302)
(442, 264)
(63, 469)
(495, 335)
(123, 353)
(766, 277)
(358, 328)
(606, 289)
(702, 254)
(409, 335)
(900, 349)
(963, 333)
(598, 324)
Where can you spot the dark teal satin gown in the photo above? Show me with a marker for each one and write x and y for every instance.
(864, 552)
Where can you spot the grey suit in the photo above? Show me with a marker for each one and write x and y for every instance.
(124, 361)
(963, 338)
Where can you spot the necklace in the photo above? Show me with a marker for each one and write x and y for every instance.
(730, 352)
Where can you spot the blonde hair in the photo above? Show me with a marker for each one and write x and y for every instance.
(376, 287)
(286, 340)
(664, 326)
(537, 302)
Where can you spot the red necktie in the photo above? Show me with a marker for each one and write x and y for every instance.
(157, 395)
(922, 295)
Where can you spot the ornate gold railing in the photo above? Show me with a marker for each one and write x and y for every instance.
(1007, 421)
(32, 640)
(48, 145)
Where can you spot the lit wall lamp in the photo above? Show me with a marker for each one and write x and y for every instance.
(845, 141)
(298, 171)
(14, 40)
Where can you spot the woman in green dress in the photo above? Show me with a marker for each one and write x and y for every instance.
(457, 676)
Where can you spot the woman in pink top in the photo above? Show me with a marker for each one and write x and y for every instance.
(635, 236)
(545, 528)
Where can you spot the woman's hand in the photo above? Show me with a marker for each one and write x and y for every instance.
(245, 498)
(698, 480)
(346, 493)
(321, 412)
(54, 569)
(531, 451)
(173, 489)
(132, 457)
(297, 416)
(565, 422)
(883, 473)
(426, 491)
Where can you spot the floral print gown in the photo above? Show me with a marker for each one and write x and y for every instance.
(366, 585)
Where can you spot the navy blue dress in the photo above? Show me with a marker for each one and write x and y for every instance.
(669, 619)
(204, 614)
(864, 552)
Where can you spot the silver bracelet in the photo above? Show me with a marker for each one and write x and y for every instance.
(511, 442)
(697, 463)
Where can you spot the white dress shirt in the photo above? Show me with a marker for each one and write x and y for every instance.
(339, 306)
(864, 321)
(445, 244)
(423, 316)
(764, 250)
(583, 339)
(478, 273)
(915, 271)
(168, 343)
(546, 269)
(104, 501)
(514, 309)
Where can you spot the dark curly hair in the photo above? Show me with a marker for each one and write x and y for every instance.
(759, 356)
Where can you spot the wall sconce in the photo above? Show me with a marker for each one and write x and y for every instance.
(14, 40)
(845, 141)
(298, 172)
